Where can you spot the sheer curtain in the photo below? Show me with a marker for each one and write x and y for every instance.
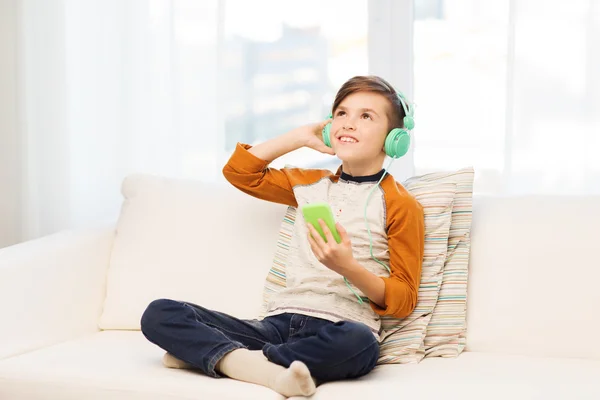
(553, 143)
(512, 88)
(167, 87)
(109, 88)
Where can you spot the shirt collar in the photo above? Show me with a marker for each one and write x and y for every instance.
(360, 179)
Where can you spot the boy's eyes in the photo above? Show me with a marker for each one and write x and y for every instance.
(364, 116)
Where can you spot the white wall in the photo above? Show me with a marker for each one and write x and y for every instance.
(10, 163)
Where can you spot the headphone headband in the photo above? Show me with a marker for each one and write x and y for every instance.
(409, 122)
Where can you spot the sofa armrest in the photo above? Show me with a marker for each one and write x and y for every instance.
(52, 289)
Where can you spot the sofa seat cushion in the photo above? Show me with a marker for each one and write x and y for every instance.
(112, 365)
(474, 376)
(124, 365)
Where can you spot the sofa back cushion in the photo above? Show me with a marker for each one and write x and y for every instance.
(534, 276)
(207, 244)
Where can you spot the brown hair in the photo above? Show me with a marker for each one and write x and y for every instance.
(373, 84)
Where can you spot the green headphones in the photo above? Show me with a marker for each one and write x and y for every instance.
(397, 140)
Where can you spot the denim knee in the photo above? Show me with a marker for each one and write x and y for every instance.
(157, 312)
(353, 335)
(356, 341)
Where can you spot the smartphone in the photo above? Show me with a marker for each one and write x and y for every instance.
(315, 211)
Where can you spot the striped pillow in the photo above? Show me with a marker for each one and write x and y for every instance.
(402, 338)
(276, 276)
(446, 331)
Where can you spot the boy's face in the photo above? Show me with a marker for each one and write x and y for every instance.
(359, 127)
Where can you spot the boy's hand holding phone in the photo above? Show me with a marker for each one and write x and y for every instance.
(328, 240)
(335, 256)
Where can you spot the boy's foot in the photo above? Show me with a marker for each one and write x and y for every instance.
(252, 366)
(294, 381)
(172, 362)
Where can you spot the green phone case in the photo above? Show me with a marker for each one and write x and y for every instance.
(315, 211)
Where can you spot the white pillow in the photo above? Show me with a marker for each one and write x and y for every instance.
(207, 244)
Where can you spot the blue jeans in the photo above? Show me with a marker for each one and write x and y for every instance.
(201, 337)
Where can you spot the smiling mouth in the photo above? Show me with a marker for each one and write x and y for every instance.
(347, 139)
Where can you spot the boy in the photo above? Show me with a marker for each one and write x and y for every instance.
(317, 328)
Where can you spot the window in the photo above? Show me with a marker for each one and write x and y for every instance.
(284, 72)
(460, 53)
(510, 87)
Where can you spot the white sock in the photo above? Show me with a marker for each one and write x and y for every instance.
(252, 366)
(172, 362)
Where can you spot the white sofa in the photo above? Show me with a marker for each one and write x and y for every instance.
(70, 302)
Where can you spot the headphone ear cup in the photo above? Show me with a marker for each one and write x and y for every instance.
(397, 143)
(326, 133)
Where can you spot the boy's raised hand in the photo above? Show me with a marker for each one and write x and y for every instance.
(312, 136)
(335, 256)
